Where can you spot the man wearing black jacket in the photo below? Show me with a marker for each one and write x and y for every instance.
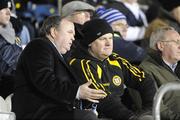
(111, 73)
(45, 88)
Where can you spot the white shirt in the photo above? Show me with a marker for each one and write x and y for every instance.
(172, 66)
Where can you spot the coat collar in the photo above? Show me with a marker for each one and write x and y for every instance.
(157, 59)
(60, 57)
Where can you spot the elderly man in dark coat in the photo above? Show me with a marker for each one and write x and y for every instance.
(45, 88)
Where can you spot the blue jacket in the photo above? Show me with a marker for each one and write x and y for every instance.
(9, 54)
(128, 50)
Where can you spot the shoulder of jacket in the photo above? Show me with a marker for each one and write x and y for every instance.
(74, 61)
(115, 56)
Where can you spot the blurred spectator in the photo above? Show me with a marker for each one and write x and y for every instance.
(167, 15)
(173, 11)
(155, 24)
(163, 65)
(9, 50)
(136, 18)
(118, 22)
(78, 12)
(152, 11)
(21, 31)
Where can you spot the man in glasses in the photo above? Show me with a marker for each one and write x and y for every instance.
(163, 65)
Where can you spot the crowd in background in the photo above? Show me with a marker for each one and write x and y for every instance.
(144, 33)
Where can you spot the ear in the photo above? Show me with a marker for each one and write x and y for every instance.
(53, 32)
(160, 46)
(90, 45)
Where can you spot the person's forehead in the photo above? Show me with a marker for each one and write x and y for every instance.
(123, 21)
(171, 33)
(106, 35)
(87, 11)
(66, 22)
(67, 25)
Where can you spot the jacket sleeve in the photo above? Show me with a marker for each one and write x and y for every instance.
(9, 56)
(166, 113)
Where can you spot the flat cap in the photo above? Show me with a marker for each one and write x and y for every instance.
(73, 6)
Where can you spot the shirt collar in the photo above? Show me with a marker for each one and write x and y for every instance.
(56, 48)
(172, 66)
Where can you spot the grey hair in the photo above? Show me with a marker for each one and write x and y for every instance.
(158, 35)
(50, 22)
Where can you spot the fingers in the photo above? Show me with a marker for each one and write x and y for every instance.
(92, 100)
(94, 91)
(96, 94)
(91, 94)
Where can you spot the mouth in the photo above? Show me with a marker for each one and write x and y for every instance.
(70, 43)
(107, 48)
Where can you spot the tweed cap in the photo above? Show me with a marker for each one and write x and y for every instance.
(110, 15)
(73, 6)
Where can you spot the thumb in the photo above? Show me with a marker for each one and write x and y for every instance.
(88, 83)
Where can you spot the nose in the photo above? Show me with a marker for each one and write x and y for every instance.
(87, 16)
(108, 41)
(73, 38)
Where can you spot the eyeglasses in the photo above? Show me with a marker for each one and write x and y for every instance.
(175, 41)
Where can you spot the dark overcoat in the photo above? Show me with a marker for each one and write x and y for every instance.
(43, 81)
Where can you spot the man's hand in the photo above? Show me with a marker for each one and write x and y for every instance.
(85, 92)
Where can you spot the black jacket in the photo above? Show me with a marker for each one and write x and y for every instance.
(42, 79)
(128, 50)
(112, 75)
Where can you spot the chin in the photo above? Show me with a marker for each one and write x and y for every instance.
(63, 52)
(106, 55)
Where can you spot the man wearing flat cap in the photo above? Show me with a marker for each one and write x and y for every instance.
(109, 72)
(77, 12)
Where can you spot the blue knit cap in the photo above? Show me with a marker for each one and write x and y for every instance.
(110, 15)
